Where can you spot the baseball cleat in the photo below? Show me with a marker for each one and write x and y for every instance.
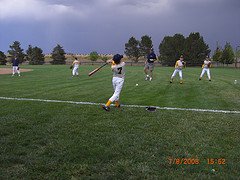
(181, 82)
(147, 77)
(170, 81)
(199, 79)
(106, 108)
(210, 80)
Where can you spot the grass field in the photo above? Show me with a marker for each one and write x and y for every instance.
(47, 140)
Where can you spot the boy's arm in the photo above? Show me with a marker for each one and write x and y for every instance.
(109, 61)
(176, 64)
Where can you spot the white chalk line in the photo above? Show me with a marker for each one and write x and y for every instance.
(131, 106)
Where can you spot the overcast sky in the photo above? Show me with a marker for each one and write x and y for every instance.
(82, 26)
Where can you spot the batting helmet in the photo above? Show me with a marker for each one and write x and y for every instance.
(117, 58)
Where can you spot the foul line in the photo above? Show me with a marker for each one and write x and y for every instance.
(132, 106)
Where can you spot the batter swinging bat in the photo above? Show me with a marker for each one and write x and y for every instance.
(97, 69)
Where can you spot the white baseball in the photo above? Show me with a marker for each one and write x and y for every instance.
(136, 84)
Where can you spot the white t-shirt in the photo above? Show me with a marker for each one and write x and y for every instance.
(119, 70)
(75, 64)
(179, 65)
(206, 64)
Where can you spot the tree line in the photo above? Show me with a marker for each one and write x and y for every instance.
(193, 48)
(34, 55)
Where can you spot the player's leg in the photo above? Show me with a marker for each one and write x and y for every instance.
(208, 74)
(202, 73)
(146, 68)
(107, 105)
(117, 103)
(173, 75)
(117, 84)
(14, 70)
(151, 67)
(118, 88)
(18, 71)
(76, 72)
(73, 72)
(150, 75)
(180, 76)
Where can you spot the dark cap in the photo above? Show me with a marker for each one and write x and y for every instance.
(117, 58)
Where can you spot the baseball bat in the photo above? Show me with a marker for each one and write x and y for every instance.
(97, 69)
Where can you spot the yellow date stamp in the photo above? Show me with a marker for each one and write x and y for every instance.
(195, 161)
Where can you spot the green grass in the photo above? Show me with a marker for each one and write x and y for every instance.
(42, 140)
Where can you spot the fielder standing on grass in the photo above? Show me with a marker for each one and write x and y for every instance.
(178, 69)
(149, 65)
(206, 68)
(15, 66)
(75, 66)
(118, 68)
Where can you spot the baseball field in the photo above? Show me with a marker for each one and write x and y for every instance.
(52, 125)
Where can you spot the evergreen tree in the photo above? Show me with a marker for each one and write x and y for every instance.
(58, 55)
(195, 49)
(132, 49)
(145, 45)
(29, 53)
(35, 55)
(228, 54)
(167, 56)
(171, 48)
(217, 54)
(16, 50)
(3, 57)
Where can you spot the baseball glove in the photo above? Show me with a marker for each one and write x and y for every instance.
(18, 68)
(71, 67)
(151, 109)
(209, 65)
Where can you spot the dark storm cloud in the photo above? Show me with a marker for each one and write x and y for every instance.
(106, 25)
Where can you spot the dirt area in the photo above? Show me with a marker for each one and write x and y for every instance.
(9, 70)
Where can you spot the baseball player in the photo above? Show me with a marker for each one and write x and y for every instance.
(149, 65)
(15, 66)
(206, 68)
(75, 66)
(178, 69)
(118, 68)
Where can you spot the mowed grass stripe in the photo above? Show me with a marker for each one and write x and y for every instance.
(55, 82)
(123, 105)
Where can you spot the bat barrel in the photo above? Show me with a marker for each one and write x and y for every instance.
(97, 69)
